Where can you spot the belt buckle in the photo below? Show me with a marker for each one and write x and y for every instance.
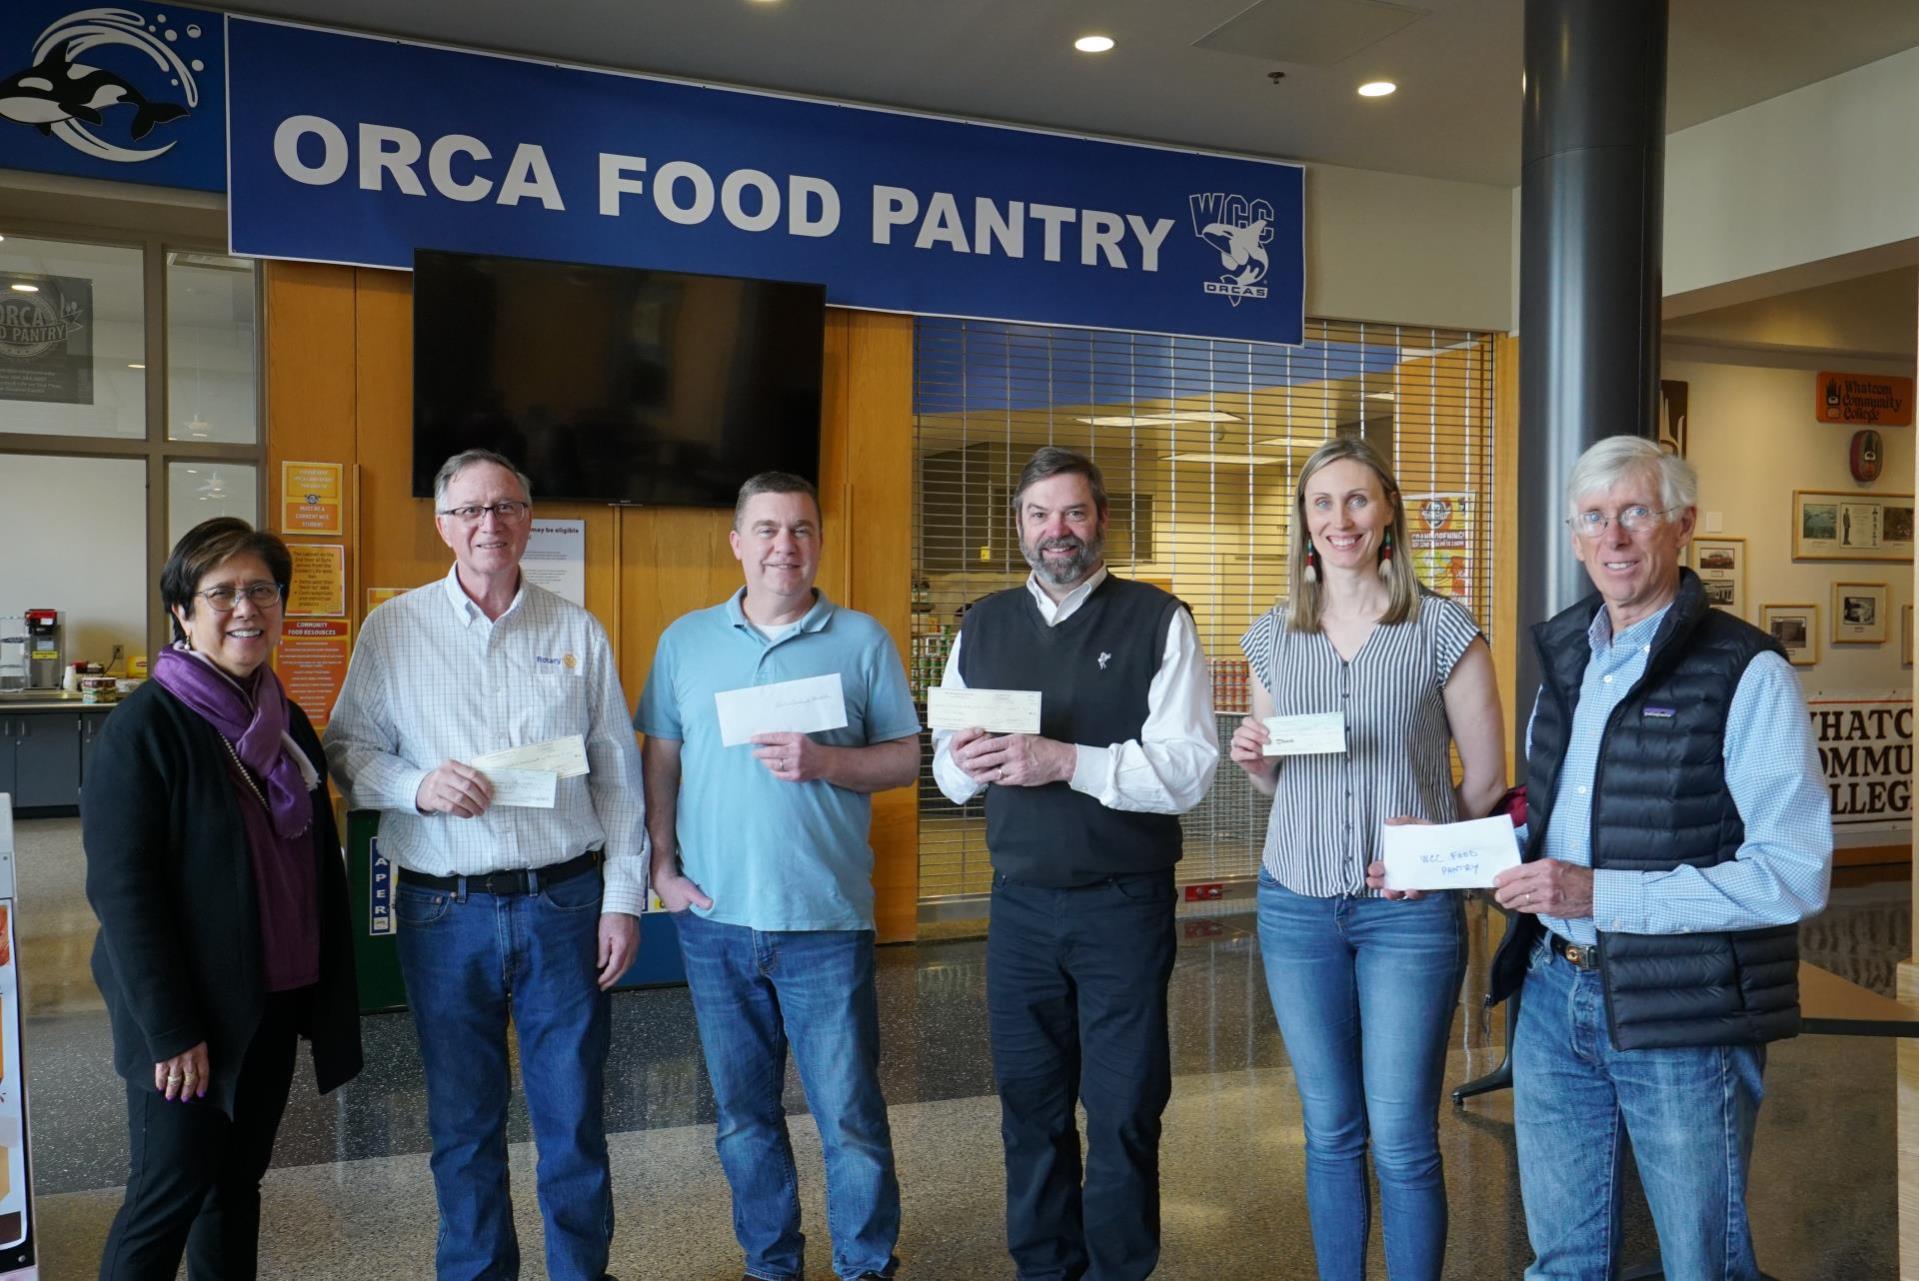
(1581, 957)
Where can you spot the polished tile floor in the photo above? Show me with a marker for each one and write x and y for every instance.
(351, 1196)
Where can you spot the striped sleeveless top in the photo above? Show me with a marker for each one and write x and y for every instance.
(1328, 809)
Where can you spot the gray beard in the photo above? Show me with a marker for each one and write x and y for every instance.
(1073, 571)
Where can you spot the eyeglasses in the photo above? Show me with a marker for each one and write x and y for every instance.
(472, 515)
(222, 600)
(1633, 520)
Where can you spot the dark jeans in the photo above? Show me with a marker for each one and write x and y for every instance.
(193, 1185)
(1076, 1004)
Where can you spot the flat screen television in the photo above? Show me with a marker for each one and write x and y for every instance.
(611, 384)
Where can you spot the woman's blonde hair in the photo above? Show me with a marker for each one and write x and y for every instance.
(1397, 573)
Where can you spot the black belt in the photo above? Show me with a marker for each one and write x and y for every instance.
(1583, 957)
(518, 881)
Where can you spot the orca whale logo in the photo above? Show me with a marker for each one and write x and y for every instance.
(65, 96)
(1238, 230)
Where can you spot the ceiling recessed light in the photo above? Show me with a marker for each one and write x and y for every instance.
(1093, 44)
(1376, 88)
(1166, 419)
(1380, 395)
(136, 366)
(26, 289)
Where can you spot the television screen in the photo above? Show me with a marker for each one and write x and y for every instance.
(614, 385)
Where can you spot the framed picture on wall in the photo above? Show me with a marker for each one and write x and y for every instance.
(1859, 613)
(1834, 525)
(1796, 628)
(1721, 566)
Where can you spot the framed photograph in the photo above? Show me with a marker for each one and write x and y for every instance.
(1835, 525)
(1796, 627)
(1905, 636)
(1721, 566)
(1859, 613)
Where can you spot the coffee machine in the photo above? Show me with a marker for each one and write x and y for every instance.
(44, 649)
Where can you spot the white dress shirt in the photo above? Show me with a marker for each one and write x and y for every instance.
(434, 679)
(1167, 769)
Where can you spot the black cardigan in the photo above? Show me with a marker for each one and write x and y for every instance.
(170, 877)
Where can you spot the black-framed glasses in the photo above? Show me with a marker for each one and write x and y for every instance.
(472, 514)
(223, 600)
(1633, 520)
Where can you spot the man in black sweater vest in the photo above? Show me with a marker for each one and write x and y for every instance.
(1082, 821)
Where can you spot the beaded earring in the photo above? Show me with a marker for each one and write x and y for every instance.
(1312, 563)
(1386, 555)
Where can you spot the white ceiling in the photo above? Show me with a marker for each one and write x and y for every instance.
(1457, 62)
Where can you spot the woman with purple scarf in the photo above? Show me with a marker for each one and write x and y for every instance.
(214, 866)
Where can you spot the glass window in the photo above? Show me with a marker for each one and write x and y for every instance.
(200, 490)
(75, 534)
(72, 339)
(212, 390)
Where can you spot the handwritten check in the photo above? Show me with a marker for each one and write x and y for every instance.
(787, 707)
(528, 788)
(1448, 856)
(997, 711)
(560, 757)
(1312, 735)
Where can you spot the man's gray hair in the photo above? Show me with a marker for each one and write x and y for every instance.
(773, 482)
(1618, 458)
(467, 458)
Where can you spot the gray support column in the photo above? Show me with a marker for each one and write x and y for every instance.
(1589, 292)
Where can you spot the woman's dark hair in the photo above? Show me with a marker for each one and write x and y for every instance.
(206, 547)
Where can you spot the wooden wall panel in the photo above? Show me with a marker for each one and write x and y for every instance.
(309, 371)
(1506, 533)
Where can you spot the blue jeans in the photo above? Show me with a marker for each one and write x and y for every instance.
(1335, 966)
(754, 993)
(471, 961)
(1689, 1113)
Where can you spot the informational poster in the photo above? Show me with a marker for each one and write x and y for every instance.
(1442, 537)
(378, 596)
(1863, 400)
(17, 1251)
(46, 338)
(312, 664)
(556, 558)
(319, 580)
(310, 497)
(1839, 525)
(1865, 749)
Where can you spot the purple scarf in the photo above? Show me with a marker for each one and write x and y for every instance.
(254, 721)
(252, 716)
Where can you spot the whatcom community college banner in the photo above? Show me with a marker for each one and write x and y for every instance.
(1865, 749)
(355, 149)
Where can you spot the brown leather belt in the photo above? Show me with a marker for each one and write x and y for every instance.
(504, 884)
(1584, 957)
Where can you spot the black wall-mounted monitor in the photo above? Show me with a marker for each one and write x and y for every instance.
(612, 384)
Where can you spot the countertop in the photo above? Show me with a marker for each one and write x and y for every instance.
(48, 700)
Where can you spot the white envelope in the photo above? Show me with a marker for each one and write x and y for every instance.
(561, 757)
(788, 707)
(1310, 735)
(1448, 856)
(528, 788)
(997, 711)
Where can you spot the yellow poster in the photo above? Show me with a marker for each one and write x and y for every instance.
(312, 661)
(377, 596)
(319, 580)
(310, 497)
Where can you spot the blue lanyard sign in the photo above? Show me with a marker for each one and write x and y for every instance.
(355, 149)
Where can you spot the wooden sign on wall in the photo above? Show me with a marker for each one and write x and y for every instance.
(1867, 400)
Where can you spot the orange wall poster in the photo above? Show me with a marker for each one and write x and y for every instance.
(1867, 400)
(319, 580)
(312, 663)
(310, 497)
(376, 596)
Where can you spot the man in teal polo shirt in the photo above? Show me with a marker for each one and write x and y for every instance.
(760, 850)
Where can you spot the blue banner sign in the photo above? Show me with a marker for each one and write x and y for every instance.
(130, 92)
(355, 149)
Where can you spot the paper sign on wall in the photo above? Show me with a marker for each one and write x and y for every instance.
(312, 663)
(310, 497)
(556, 558)
(319, 580)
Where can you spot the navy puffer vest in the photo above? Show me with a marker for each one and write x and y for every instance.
(1660, 800)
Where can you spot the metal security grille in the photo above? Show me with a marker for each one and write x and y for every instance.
(1200, 442)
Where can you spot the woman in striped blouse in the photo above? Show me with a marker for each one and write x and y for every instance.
(1364, 982)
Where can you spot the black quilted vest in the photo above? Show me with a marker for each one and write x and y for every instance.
(1093, 672)
(1660, 800)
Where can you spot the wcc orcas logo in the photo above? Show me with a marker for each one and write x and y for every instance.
(1239, 229)
(103, 80)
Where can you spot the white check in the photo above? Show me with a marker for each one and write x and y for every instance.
(528, 788)
(1312, 735)
(997, 711)
(788, 707)
(1448, 856)
(560, 757)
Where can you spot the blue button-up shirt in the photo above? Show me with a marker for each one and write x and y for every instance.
(1782, 871)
